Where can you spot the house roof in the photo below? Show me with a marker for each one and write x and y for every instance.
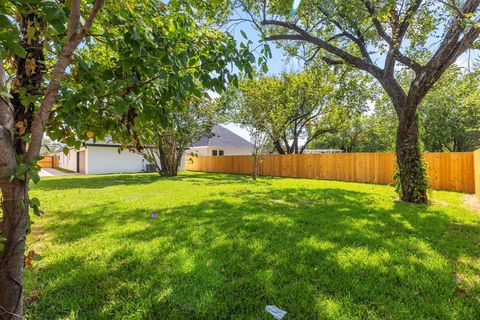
(219, 137)
(222, 137)
(103, 143)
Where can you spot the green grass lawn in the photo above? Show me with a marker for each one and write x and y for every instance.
(223, 247)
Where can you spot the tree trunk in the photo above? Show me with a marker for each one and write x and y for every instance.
(255, 164)
(164, 165)
(278, 147)
(13, 229)
(168, 161)
(178, 159)
(15, 219)
(295, 145)
(412, 183)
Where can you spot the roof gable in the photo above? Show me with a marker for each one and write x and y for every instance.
(222, 137)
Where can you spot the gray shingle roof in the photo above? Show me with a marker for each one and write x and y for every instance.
(222, 137)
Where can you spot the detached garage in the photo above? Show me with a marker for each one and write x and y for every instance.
(102, 157)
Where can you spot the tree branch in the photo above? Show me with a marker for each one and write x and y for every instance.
(378, 26)
(402, 30)
(395, 42)
(73, 20)
(450, 49)
(316, 135)
(357, 40)
(305, 36)
(74, 39)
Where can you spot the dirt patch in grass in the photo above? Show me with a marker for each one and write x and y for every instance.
(472, 202)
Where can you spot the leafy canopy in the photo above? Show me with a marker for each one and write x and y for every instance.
(295, 108)
(144, 61)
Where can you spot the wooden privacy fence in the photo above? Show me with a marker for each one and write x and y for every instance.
(447, 171)
(49, 162)
(476, 170)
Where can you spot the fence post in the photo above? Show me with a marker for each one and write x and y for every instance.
(476, 172)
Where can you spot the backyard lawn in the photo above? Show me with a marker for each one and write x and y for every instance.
(223, 246)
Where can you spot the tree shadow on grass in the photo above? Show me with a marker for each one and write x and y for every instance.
(95, 181)
(105, 181)
(318, 253)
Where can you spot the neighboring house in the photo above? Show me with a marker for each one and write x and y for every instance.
(221, 142)
(102, 157)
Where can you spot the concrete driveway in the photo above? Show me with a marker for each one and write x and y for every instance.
(49, 172)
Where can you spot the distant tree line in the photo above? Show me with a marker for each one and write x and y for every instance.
(340, 108)
(449, 120)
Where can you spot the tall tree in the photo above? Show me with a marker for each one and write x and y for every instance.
(30, 78)
(135, 60)
(380, 37)
(297, 108)
(149, 84)
(165, 144)
(254, 111)
(261, 146)
(449, 119)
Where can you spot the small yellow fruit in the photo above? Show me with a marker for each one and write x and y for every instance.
(90, 134)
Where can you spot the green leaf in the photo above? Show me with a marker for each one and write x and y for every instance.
(26, 138)
(18, 50)
(21, 170)
(21, 204)
(121, 106)
(244, 34)
(265, 67)
(55, 16)
(5, 21)
(58, 25)
(34, 176)
(35, 201)
(36, 210)
(35, 205)
(20, 158)
(36, 257)
(6, 94)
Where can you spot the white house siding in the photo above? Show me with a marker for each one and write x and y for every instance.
(68, 161)
(232, 151)
(107, 160)
(207, 151)
(227, 151)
